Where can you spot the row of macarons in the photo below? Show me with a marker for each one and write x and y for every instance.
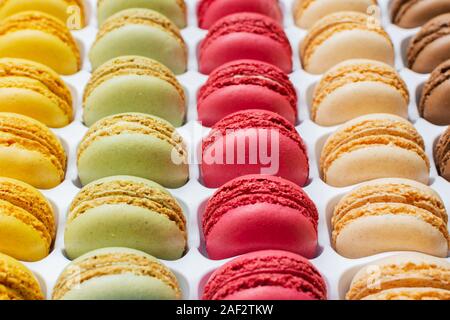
(243, 35)
(127, 274)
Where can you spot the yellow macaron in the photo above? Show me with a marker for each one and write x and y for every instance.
(42, 38)
(27, 223)
(30, 152)
(32, 89)
(17, 282)
(70, 12)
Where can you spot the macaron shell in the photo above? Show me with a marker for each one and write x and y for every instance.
(308, 12)
(269, 293)
(210, 11)
(410, 294)
(437, 108)
(412, 14)
(432, 55)
(376, 234)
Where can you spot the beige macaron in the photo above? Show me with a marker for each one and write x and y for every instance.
(407, 276)
(342, 36)
(371, 147)
(308, 12)
(390, 215)
(358, 87)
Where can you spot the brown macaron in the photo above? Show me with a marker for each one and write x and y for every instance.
(434, 103)
(430, 46)
(415, 13)
(442, 155)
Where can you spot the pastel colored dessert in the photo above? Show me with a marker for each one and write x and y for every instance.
(30, 152)
(253, 142)
(442, 155)
(134, 84)
(125, 211)
(210, 11)
(41, 38)
(434, 104)
(308, 12)
(175, 10)
(17, 282)
(415, 13)
(328, 41)
(266, 275)
(34, 90)
(246, 84)
(272, 213)
(390, 215)
(133, 144)
(371, 147)
(140, 32)
(358, 87)
(430, 46)
(408, 276)
(116, 274)
(245, 36)
(27, 223)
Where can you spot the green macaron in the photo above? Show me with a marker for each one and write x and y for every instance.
(134, 84)
(133, 144)
(116, 274)
(125, 211)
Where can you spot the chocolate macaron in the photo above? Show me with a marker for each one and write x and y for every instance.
(442, 155)
(415, 13)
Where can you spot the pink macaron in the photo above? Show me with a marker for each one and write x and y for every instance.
(245, 36)
(209, 11)
(253, 142)
(271, 212)
(246, 84)
(266, 275)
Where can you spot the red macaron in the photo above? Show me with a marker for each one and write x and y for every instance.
(209, 11)
(245, 36)
(266, 275)
(246, 84)
(253, 142)
(271, 212)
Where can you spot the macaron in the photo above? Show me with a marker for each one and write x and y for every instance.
(34, 90)
(415, 13)
(125, 211)
(430, 46)
(358, 87)
(246, 84)
(17, 282)
(245, 36)
(27, 223)
(116, 274)
(134, 84)
(442, 155)
(371, 147)
(407, 276)
(434, 104)
(175, 10)
(266, 275)
(328, 41)
(30, 152)
(140, 32)
(271, 212)
(253, 142)
(133, 144)
(210, 11)
(41, 38)
(308, 12)
(390, 215)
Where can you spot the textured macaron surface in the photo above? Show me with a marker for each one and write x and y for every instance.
(418, 275)
(41, 22)
(252, 73)
(22, 205)
(442, 155)
(111, 269)
(17, 282)
(135, 69)
(415, 13)
(266, 269)
(118, 201)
